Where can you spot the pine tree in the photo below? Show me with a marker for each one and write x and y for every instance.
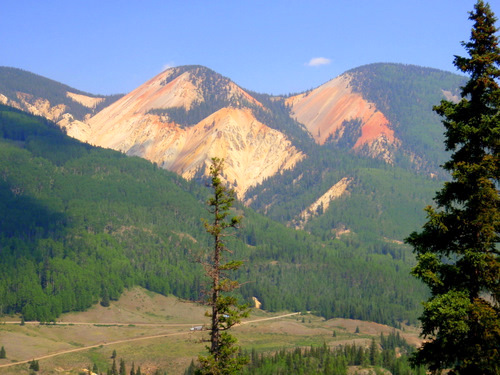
(374, 355)
(114, 370)
(105, 298)
(122, 370)
(457, 250)
(34, 365)
(226, 312)
(3, 354)
(191, 370)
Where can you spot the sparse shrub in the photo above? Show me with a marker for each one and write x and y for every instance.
(34, 365)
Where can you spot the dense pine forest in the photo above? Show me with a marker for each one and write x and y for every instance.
(387, 353)
(392, 354)
(79, 224)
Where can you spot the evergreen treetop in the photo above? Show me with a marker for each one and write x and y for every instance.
(225, 309)
(457, 251)
(3, 353)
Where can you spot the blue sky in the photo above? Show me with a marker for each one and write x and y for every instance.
(274, 47)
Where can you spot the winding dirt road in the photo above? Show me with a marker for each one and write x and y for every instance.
(126, 340)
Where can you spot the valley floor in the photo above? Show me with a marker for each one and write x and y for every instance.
(153, 331)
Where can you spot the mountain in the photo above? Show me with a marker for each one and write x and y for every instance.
(383, 111)
(378, 146)
(333, 112)
(81, 223)
(406, 95)
(351, 163)
(359, 154)
(182, 118)
(45, 97)
(186, 115)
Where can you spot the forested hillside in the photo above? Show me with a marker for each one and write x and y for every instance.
(392, 355)
(80, 224)
(382, 201)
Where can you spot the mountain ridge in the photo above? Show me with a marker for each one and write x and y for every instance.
(28, 91)
(267, 141)
(370, 127)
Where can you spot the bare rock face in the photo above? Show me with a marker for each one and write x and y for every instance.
(323, 202)
(252, 151)
(6, 101)
(40, 106)
(87, 101)
(57, 113)
(327, 110)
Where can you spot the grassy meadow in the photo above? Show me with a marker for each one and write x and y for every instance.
(153, 331)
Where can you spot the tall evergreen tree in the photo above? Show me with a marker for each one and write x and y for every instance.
(226, 311)
(374, 354)
(114, 370)
(122, 370)
(3, 354)
(105, 298)
(457, 250)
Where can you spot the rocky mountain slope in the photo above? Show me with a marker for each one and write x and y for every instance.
(333, 112)
(252, 150)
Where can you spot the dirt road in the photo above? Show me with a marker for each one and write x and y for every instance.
(102, 344)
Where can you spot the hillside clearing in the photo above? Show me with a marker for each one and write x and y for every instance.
(153, 331)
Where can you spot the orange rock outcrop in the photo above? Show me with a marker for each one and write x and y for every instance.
(324, 109)
(252, 151)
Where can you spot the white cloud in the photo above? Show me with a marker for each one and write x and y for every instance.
(168, 66)
(317, 61)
